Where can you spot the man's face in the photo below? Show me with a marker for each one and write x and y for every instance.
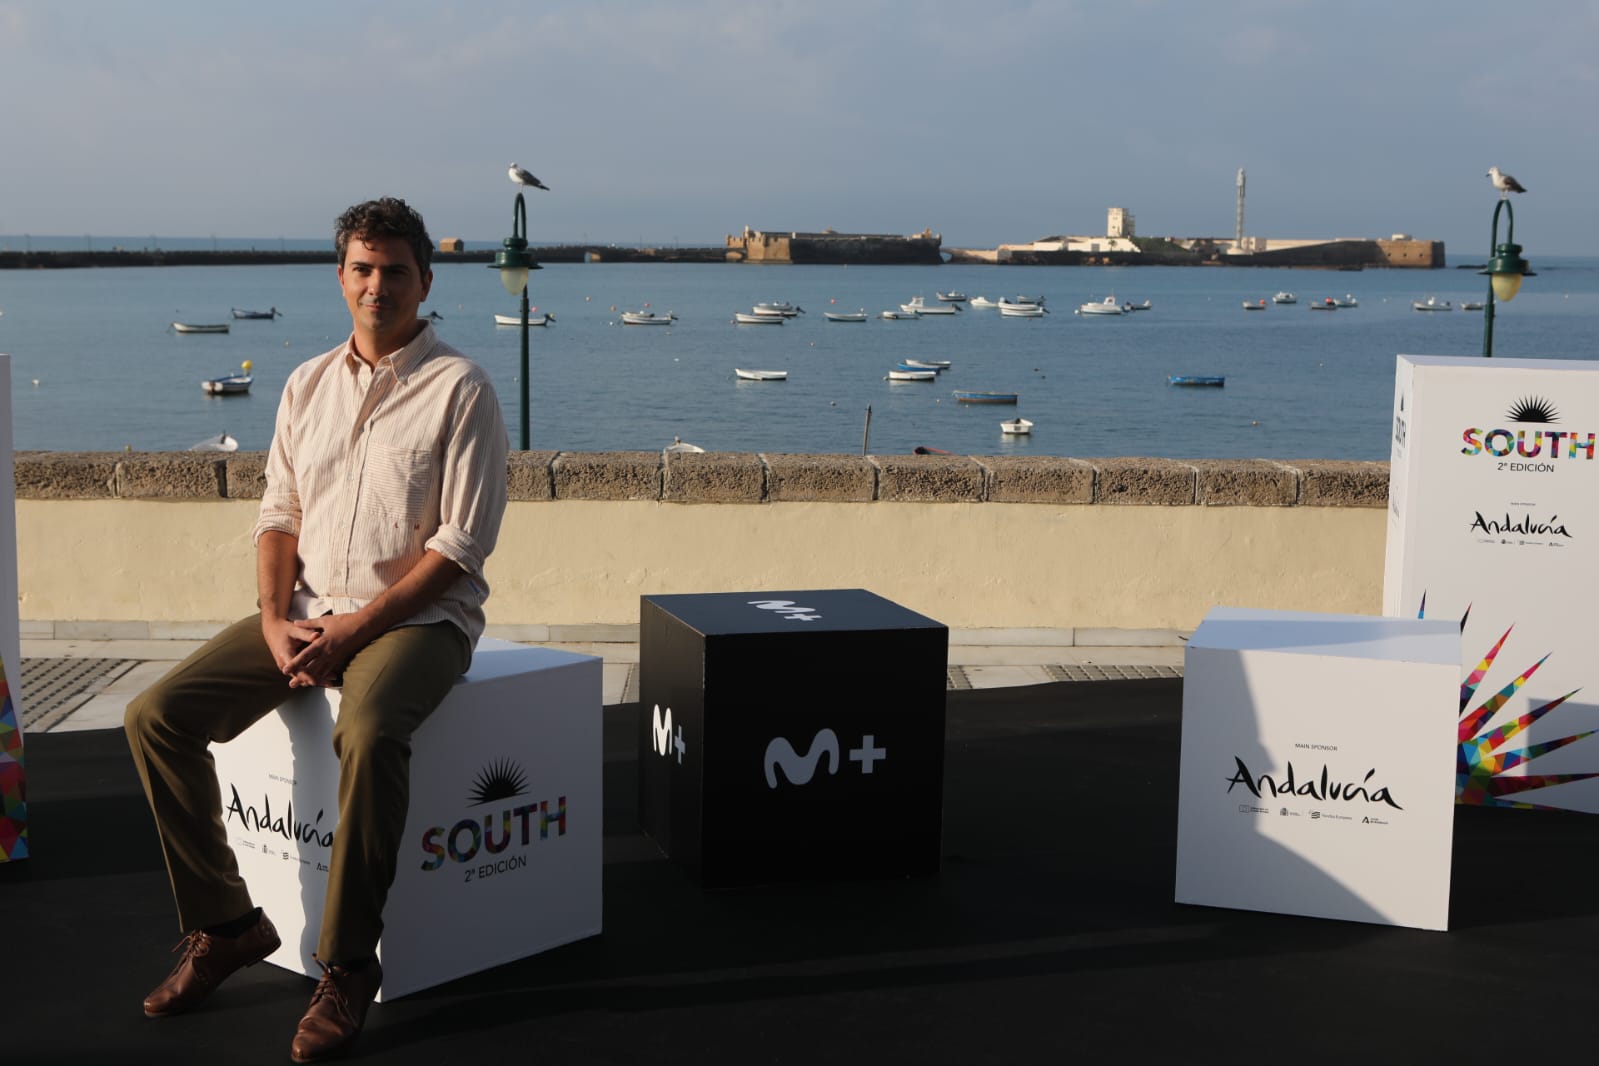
(383, 287)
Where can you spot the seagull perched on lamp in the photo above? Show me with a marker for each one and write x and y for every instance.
(522, 177)
(1504, 182)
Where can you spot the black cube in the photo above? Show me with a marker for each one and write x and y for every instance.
(791, 736)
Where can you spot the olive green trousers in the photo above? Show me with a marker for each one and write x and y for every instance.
(389, 689)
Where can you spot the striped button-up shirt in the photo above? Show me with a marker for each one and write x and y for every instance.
(372, 466)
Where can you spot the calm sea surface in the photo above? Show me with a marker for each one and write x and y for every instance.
(96, 367)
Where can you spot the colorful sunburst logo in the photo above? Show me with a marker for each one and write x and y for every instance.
(1485, 756)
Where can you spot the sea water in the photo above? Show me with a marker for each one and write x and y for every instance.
(96, 365)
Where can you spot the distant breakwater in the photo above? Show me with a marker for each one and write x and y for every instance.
(148, 257)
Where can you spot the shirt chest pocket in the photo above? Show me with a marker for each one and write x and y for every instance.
(397, 484)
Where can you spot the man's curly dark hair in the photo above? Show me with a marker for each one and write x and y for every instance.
(385, 217)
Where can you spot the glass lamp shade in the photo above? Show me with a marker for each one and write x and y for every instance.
(1505, 286)
(514, 278)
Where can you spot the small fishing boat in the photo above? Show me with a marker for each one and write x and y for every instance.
(779, 307)
(761, 375)
(1471, 305)
(220, 443)
(899, 315)
(1022, 298)
(239, 312)
(1022, 310)
(647, 318)
(1329, 304)
(681, 447)
(1431, 303)
(1130, 307)
(981, 302)
(1348, 300)
(1196, 381)
(1258, 306)
(951, 297)
(966, 396)
(230, 384)
(927, 364)
(751, 318)
(911, 375)
(532, 320)
(1021, 301)
(920, 306)
(1016, 427)
(1285, 298)
(1107, 306)
(845, 316)
(198, 327)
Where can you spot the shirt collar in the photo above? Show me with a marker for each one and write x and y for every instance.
(403, 362)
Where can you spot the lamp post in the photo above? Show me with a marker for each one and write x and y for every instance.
(1505, 271)
(513, 262)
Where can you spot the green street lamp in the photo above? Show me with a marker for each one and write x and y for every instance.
(1505, 271)
(513, 262)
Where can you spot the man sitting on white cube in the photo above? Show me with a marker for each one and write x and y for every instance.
(386, 483)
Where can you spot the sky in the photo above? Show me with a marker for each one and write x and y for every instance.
(988, 121)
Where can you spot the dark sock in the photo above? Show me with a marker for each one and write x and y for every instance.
(243, 923)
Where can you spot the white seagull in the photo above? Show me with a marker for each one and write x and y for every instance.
(1504, 182)
(522, 177)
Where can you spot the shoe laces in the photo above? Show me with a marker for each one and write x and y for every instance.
(330, 986)
(194, 944)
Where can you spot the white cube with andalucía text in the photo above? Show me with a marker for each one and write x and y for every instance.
(1318, 765)
(501, 856)
(1493, 524)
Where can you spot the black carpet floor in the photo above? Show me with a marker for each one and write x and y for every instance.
(1050, 934)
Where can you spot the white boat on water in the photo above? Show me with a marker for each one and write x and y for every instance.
(1470, 305)
(1021, 310)
(779, 307)
(754, 318)
(911, 375)
(1107, 306)
(927, 364)
(1285, 298)
(1431, 303)
(898, 315)
(647, 318)
(846, 316)
(1020, 301)
(1347, 300)
(220, 443)
(198, 327)
(920, 306)
(1016, 426)
(1259, 305)
(761, 375)
(516, 319)
(950, 297)
(981, 302)
(230, 384)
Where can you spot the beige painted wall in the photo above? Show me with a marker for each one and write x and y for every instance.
(969, 565)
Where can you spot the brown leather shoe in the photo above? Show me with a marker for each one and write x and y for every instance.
(206, 962)
(337, 1011)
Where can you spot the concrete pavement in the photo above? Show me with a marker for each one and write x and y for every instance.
(74, 683)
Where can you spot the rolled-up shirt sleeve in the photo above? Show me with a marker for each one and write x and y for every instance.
(472, 495)
(280, 502)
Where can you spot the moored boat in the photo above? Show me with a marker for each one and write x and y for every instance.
(647, 318)
(950, 297)
(845, 316)
(1196, 380)
(532, 320)
(968, 396)
(919, 306)
(200, 327)
(1022, 310)
(1324, 305)
(1431, 303)
(761, 375)
(778, 307)
(1107, 306)
(749, 318)
(230, 384)
(1016, 426)
(1257, 306)
(911, 375)
(1347, 300)
(898, 315)
(1470, 305)
(981, 301)
(1285, 298)
(239, 312)
(927, 364)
